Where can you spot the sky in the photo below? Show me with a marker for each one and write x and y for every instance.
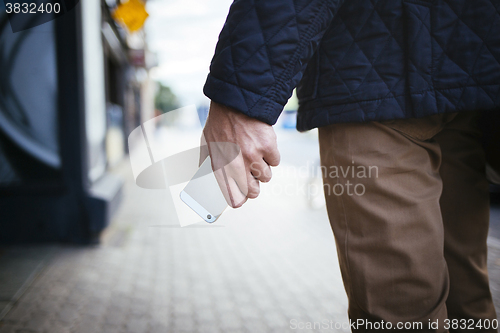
(183, 34)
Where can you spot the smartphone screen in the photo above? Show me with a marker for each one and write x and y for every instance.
(203, 195)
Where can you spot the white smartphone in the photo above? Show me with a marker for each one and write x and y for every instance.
(203, 195)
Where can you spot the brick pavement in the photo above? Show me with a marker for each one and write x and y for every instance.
(254, 274)
(248, 273)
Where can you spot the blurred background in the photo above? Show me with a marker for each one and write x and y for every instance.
(84, 249)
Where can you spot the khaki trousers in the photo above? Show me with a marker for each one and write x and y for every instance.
(408, 203)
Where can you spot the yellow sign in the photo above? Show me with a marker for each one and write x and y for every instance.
(132, 14)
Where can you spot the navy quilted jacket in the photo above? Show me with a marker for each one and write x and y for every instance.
(357, 60)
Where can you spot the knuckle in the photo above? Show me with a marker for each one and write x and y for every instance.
(267, 145)
(266, 178)
(252, 195)
(255, 172)
(254, 166)
(253, 192)
(271, 143)
(251, 154)
(276, 160)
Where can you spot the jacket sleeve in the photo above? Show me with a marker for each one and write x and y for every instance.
(262, 52)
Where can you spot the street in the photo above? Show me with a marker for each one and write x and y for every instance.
(270, 266)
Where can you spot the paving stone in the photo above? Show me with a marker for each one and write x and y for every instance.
(183, 323)
(208, 327)
(7, 328)
(50, 308)
(58, 291)
(36, 321)
(139, 307)
(182, 309)
(156, 327)
(20, 313)
(274, 319)
(163, 318)
(53, 326)
(256, 325)
(94, 309)
(115, 317)
(273, 261)
(68, 314)
(250, 312)
(87, 328)
(230, 322)
(205, 316)
(115, 329)
(136, 325)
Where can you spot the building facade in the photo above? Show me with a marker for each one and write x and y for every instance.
(70, 92)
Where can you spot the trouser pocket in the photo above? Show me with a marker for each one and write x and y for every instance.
(421, 129)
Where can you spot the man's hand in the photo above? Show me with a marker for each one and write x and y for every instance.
(231, 134)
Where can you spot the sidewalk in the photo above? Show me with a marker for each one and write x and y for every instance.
(264, 268)
(251, 274)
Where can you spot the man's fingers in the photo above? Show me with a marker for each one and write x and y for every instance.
(232, 179)
(235, 141)
(246, 183)
(230, 189)
(272, 155)
(236, 197)
(238, 180)
(261, 171)
(253, 187)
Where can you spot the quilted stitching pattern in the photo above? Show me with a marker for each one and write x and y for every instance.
(263, 50)
(360, 60)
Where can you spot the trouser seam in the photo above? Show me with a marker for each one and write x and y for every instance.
(346, 238)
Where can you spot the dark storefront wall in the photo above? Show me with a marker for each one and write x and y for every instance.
(52, 131)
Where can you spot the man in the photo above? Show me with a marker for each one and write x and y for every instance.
(396, 84)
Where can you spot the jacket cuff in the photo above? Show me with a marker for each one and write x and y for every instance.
(247, 102)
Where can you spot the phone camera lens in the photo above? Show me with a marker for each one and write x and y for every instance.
(209, 216)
